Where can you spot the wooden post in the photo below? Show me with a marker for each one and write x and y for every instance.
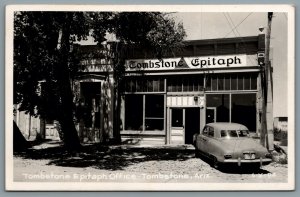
(267, 104)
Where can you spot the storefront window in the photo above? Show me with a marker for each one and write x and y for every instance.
(227, 82)
(154, 112)
(214, 83)
(190, 83)
(208, 83)
(149, 85)
(253, 82)
(244, 110)
(144, 84)
(153, 118)
(234, 82)
(221, 82)
(217, 108)
(240, 81)
(134, 112)
(247, 82)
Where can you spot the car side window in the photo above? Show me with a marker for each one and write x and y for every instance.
(223, 133)
(205, 131)
(211, 132)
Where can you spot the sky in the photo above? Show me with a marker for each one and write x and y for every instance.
(215, 25)
(210, 25)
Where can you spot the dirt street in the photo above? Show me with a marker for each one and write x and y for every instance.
(133, 164)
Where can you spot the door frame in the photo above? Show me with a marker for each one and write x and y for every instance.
(170, 123)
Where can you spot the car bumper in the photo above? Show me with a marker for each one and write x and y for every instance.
(261, 161)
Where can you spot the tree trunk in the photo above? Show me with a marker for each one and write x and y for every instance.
(19, 141)
(70, 135)
(117, 109)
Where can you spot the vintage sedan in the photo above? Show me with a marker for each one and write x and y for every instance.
(230, 143)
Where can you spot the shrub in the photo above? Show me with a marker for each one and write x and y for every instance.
(281, 136)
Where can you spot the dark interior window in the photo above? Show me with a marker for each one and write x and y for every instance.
(134, 112)
(154, 114)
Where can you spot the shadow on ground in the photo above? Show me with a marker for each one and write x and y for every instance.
(119, 157)
(235, 169)
(106, 157)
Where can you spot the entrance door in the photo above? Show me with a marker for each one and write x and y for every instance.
(90, 92)
(185, 122)
(177, 126)
(192, 123)
(211, 114)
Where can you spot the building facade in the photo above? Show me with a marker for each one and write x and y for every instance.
(167, 100)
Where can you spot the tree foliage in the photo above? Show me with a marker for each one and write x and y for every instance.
(44, 52)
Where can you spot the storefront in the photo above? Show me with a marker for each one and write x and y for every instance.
(167, 101)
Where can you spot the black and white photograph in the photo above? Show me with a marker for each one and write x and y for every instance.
(149, 97)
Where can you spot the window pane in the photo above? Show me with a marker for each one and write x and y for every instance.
(219, 104)
(200, 83)
(177, 118)
(244, 110)
(185, 85)
(211, 132)
(134, 112)
(161, 85)
(149, 85)
(208, 83)
(127, 86)
(156, 85)
(154, 106)
(227, 82)
(247, 82)
(205, 131)
(220, 82)
(240, 82)
(223, 133)
(214, 83)
(154, 124)
(254, 82)
(179, 84)
(234, 82)
(132, 85)
(188, 83)
(170, 83)
(139, 85)
(191, 84)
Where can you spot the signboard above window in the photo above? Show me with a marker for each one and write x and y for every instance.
(203, 62)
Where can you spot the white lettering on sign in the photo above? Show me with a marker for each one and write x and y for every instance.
(187, 63)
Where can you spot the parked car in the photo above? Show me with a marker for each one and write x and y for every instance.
(230, 143)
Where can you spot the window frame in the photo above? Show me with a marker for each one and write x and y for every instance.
(144, 118)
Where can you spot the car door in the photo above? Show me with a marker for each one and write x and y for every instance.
(202, 139)
(211, 141)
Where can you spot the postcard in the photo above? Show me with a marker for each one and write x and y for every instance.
(150, 97)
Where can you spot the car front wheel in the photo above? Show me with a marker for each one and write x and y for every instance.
(215, 162)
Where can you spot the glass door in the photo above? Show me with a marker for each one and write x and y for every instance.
(211, 114)
(177, 125)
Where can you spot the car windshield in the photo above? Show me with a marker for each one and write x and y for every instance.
(234, 133)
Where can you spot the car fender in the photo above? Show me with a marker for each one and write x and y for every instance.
(217, 149)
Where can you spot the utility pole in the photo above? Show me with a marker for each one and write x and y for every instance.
(266, 137)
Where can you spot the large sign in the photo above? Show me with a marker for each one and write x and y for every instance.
(226, 61)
